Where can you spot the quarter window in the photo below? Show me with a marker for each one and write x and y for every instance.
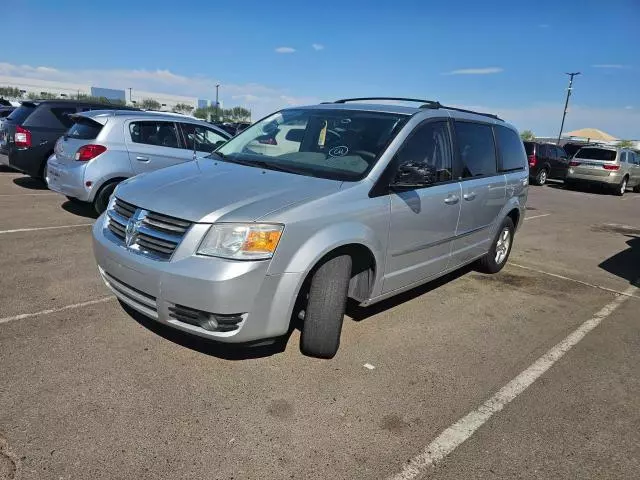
(161, 134)
(476, 148)
(428, 149)
(512, 152)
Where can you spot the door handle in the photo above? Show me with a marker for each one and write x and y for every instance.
(142, 159)
(452, 200)
(469, 196)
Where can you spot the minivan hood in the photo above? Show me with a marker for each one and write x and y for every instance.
(208, 191)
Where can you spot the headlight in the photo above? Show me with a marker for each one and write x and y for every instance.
(240, 241)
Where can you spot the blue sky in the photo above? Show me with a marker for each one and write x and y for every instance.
(504, 56)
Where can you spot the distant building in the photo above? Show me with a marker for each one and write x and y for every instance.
(73, 90)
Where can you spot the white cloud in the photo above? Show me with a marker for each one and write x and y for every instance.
(261, 99)
(476, 71)
(609, 65)
(317, 46)
(285, 50)
(628, 107)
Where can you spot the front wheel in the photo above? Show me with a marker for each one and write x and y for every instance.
(500, 249)
(325, 308)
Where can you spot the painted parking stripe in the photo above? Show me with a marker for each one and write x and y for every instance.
(537, 216)
(28, 194)
(23, 316)
(35, 229)
(463, 429)
(562, 277)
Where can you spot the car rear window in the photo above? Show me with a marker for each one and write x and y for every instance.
(528, 146)
(596, 154)
(51, 117)
(84, 129)
(20, 114)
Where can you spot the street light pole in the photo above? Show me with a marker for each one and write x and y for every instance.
(566, 103)
(217, 104)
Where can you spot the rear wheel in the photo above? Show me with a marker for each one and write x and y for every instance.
(102, 197)
(636, 189)
(325, 308)
(541, 177)
(620, 189)
(500, 249)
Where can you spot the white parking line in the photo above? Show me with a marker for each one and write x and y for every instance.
(537, 216)
(28, 194)
(463, 429)
(35, 229)
(22, 316)
(593, 285)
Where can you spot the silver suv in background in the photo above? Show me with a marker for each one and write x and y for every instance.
(372, 200)
(611, 167)
(102, 148)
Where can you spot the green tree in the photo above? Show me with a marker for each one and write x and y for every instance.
(527, 135)
(183, 108)
(150, 104)
(10, 92)
(626, 144)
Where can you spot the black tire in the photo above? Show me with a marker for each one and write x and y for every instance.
(102, 197)
(325, 308)
(621, 187)
(489, 263)
(636, 189)
(541, 177)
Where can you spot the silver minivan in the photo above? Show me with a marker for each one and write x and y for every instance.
(374, 200)
(102, 148)
(615, 168)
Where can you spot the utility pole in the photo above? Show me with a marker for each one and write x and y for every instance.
(130, 97)
(217, 104)
(566, 103)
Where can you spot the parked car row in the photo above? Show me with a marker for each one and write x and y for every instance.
(615, 168)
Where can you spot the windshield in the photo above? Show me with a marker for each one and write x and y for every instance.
(21, 113)
(596, 154)
(334, 144)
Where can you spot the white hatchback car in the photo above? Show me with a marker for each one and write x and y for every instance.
(104, 147)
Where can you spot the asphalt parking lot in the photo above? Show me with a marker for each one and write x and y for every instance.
(88, 392)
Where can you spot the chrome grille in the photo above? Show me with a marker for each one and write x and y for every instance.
(143, 302)
(155, 234)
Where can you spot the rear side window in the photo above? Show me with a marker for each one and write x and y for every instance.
(51, 117)
(591, 153)
(161, 134)
(561, 153)
(84, 129)
(476, 148)
(512, 153)
(21, 113)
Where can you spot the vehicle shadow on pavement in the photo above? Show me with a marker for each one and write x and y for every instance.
(626, 264)
(358, 313)
(210, 347)
(80, 209)
(30, 183)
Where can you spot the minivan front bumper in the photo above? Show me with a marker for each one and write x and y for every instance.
(189, 282)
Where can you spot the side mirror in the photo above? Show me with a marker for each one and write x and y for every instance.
(413, 175)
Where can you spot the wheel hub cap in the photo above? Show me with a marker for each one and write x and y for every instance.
(502, 245)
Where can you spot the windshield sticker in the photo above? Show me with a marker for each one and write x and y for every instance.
(339, 151)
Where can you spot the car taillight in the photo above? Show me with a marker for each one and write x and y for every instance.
(611, 167)
(533, 160)
(22, 137)
(573, 163)
(88, 152)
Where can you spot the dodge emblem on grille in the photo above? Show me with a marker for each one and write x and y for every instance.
(133, 225)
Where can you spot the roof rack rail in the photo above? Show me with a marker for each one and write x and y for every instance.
(426, 103)
(490, 115)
